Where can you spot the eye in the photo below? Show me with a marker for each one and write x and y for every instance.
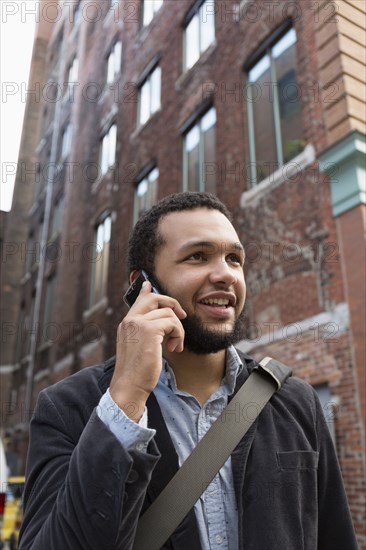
(197, 256)
(235, 259)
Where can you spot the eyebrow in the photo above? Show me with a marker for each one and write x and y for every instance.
(212, 246)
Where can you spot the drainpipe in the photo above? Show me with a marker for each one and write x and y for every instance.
(45, 231)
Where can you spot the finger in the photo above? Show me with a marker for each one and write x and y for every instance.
(146, 287)
(161, 313)
(175, 344)
(149, 301)
(173, 304)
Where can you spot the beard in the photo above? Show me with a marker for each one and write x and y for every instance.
(201, 339)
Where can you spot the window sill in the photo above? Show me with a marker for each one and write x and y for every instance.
(45, 346)
(37, 201)
(99, 306)
(145, 29)
(113, 15)
(103, 178)
(25, 278)
(55, 235)
(109, 89)
(25, 360)
(41, 375)
(139, 129)
(284, 173)
(189, 73)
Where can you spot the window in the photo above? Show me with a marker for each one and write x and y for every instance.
(77, 15)
(199, 32)
(73, 71)
(66, 142)
(100, 261)
(149, 96)
(38, 182)
(146, 193)
(48, 307)
(149, 9)
(28, 328)
(329, 407)
(30, 253)
(107, 156)
(274, 111)
(20, 334)
(114, 62)
(71, 79)
(72, 75)
(57, 216)
(199, 155)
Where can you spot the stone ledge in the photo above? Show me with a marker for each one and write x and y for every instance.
(284, 173)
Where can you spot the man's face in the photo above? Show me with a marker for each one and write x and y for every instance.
(201, 265)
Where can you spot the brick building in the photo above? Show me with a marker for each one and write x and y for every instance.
(262, 103)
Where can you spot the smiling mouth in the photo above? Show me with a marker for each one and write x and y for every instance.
(221, 302)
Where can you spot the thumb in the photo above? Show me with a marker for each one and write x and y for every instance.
(146, 287)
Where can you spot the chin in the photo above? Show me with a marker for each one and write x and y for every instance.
(202, 340)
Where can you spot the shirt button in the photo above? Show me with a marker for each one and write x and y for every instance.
(218, 539)
(140, 446)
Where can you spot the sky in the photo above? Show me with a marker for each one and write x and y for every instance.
(17, 27)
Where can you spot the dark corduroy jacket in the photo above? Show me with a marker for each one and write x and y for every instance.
(85, 491)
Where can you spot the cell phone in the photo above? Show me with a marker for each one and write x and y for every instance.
(134, 289)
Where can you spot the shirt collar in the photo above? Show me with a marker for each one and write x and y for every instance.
(233, 367)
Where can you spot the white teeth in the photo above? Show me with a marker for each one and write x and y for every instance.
(218, 301)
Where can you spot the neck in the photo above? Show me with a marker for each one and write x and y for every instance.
(199, 375)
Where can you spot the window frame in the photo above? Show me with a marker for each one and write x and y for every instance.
(104, 150)
(145, 176)
(48, 302)
(195, 12)
(112, 53)
(57, 215)
(76, 16)
(66, 141)
(193, 123)
(100, 267)
(71, 77)
(146, 80)
(155, 10)
(266, 49)
(329, 406)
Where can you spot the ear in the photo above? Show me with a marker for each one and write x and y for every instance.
(134, 274)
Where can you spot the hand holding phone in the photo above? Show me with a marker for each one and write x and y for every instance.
(134, 289)
(156, 322)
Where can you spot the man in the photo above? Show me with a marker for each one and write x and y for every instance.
(105, 441)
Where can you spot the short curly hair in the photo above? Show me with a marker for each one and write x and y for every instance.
(145, 239)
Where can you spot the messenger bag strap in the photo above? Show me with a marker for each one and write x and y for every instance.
(169, 509)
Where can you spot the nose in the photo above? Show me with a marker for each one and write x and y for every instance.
(222, 273)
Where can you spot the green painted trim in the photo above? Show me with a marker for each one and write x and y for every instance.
(345, 164)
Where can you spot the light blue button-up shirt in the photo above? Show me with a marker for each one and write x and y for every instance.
(187, 422)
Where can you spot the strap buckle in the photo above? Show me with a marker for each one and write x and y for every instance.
(275, 369)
